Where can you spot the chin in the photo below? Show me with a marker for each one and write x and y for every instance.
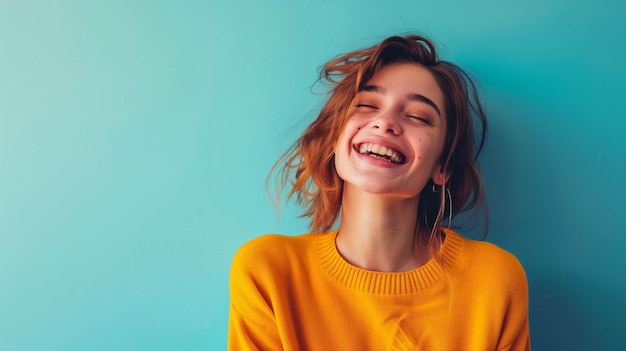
(381, 189)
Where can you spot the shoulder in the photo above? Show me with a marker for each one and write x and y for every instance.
(271, 253)
(493, 255)
(491, 265)
(495, 289)
(273, 246)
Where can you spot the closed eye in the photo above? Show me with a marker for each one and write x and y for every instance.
(420, 119)
(366, 106)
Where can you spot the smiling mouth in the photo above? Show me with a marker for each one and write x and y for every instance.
(382, 152)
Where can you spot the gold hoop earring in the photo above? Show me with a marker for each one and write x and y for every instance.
(449, 196)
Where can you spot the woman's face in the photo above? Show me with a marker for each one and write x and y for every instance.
(395, 133)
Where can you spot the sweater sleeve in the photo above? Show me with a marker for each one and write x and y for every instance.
(246, 334)
(516, 333)
(251, 324)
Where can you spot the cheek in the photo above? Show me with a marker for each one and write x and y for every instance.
(426, 150)
(349, 131)
(352, 123)
(340, 160)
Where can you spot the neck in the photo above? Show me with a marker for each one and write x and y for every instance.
(379, 233)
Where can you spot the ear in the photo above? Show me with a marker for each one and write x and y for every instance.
(440, 178)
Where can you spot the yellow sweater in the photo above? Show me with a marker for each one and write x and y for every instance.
(298, 293)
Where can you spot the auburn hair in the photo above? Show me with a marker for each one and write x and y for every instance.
(308, 166)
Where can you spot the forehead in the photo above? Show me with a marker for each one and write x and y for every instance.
(408, 78)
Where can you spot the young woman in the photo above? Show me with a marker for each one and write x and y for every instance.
(392, 156)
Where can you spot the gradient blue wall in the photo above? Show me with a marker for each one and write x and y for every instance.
(135, 137)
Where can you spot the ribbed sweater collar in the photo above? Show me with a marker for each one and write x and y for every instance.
(383, 283)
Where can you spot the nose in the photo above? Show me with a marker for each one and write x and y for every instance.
(387, 122)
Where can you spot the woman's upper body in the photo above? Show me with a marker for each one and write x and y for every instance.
(392, 156)
(298, 293)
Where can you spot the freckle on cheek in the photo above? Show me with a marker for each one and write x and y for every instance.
(419, 157)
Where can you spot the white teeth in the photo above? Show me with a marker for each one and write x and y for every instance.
(385, 153)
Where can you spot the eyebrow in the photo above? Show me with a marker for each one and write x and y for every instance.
(412, 97)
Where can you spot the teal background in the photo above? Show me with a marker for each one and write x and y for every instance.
(135, 138)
